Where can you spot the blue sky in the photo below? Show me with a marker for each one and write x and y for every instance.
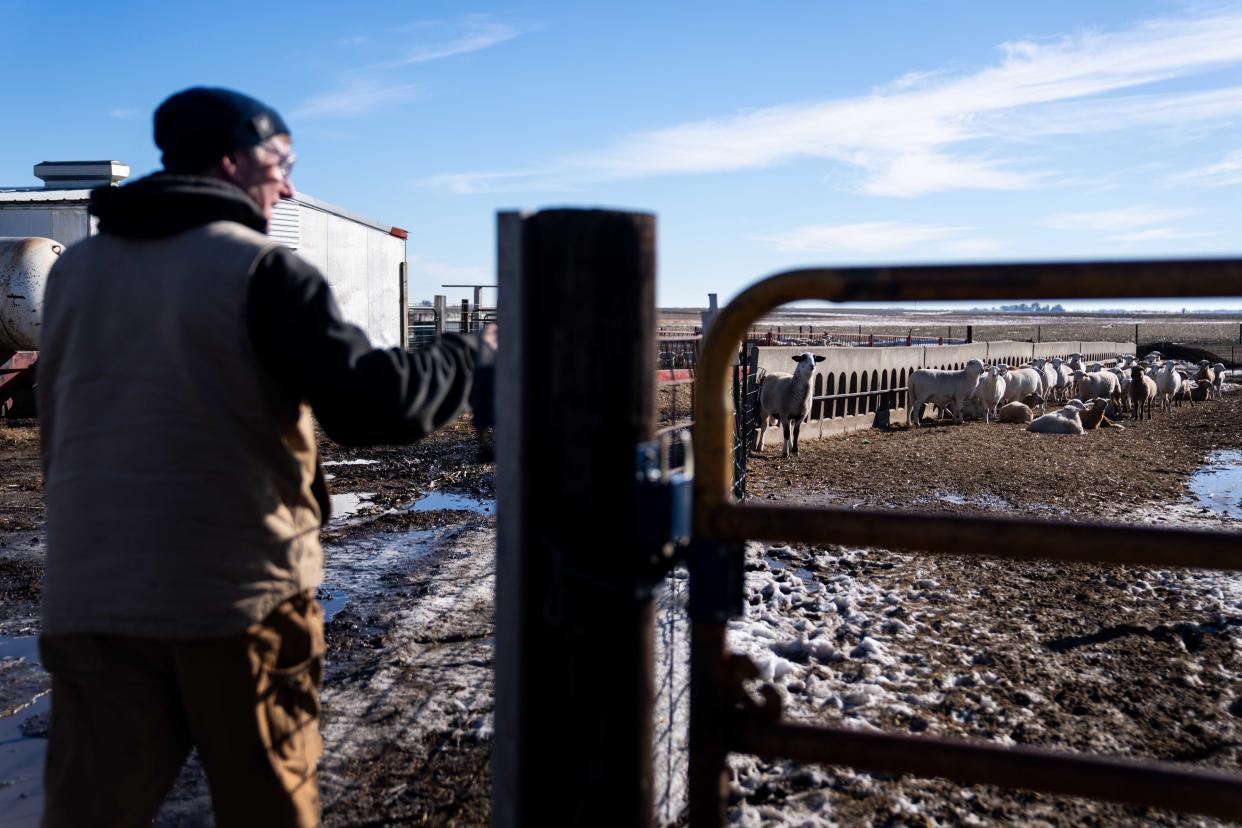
(764, 135)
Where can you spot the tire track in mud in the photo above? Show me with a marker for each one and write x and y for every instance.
(408, 725)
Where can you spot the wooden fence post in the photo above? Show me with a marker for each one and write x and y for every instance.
(576, 394)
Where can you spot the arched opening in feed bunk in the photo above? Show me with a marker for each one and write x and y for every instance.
(841, 390)
(817, 405)
(851, 406)
(829, 406)
(864, 402)
(874, 403)
(901, 395)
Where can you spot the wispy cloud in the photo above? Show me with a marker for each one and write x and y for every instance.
(357, 97)
(472, 34)
(1226, 173)
(364, 89)
(924, 131)
(1125, 218)
(1163, 234)
(864, 237)
(470, 183)
(124, 113)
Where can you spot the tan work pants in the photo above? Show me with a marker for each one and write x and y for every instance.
(125, 712)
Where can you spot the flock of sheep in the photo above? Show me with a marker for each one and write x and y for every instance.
(1091, 395)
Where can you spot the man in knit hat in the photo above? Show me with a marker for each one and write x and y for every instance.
(183, 353)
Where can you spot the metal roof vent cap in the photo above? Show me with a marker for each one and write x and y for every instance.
(80, 175)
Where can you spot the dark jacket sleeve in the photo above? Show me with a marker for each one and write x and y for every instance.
(360, 395)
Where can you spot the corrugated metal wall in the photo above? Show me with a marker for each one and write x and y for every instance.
(285, 225)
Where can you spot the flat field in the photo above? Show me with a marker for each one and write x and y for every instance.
(1222, 332)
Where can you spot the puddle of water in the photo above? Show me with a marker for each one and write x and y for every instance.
(21, 756)
(353, 569)
(19, 646)
(349, 463)
(435, 501)
(1218, 485)
(347, 504)
(332, 603)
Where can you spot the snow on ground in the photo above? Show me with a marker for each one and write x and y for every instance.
(848, 649)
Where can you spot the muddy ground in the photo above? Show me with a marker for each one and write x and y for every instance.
(1123, 661)
(407, 693)
(1112, 660)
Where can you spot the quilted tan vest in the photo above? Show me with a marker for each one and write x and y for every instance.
(178, 478)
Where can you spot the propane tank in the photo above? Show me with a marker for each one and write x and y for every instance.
(24, 265)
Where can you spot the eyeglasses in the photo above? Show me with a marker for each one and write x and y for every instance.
(284, 158)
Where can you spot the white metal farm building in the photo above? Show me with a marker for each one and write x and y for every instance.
(364, 260)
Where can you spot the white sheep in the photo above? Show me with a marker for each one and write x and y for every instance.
(1142, 392)
(1062, 421)
(1218, 383)
(989, 392)
(931, 385)
(1097, 384)
(786, 398)
(1049, 375)
(1065, 378)
(1021, 383)
(1123, 386)
(1168, 383)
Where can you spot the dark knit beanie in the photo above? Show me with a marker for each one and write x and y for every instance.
(199, 126)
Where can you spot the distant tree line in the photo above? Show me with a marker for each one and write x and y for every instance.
(1031, 307)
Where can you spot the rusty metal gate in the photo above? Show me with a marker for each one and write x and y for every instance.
(726, 719)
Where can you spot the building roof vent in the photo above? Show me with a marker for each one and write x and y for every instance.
(80, 175)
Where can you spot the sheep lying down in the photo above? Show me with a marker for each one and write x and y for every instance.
(1062, 421)
(1076, 417)
(1014, 412)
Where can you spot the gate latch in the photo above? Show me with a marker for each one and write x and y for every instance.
(663, 499)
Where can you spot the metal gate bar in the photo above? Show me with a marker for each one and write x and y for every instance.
(725, 718)
(986, 536)
(1157, 785)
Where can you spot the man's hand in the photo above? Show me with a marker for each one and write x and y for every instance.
(491, 335)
